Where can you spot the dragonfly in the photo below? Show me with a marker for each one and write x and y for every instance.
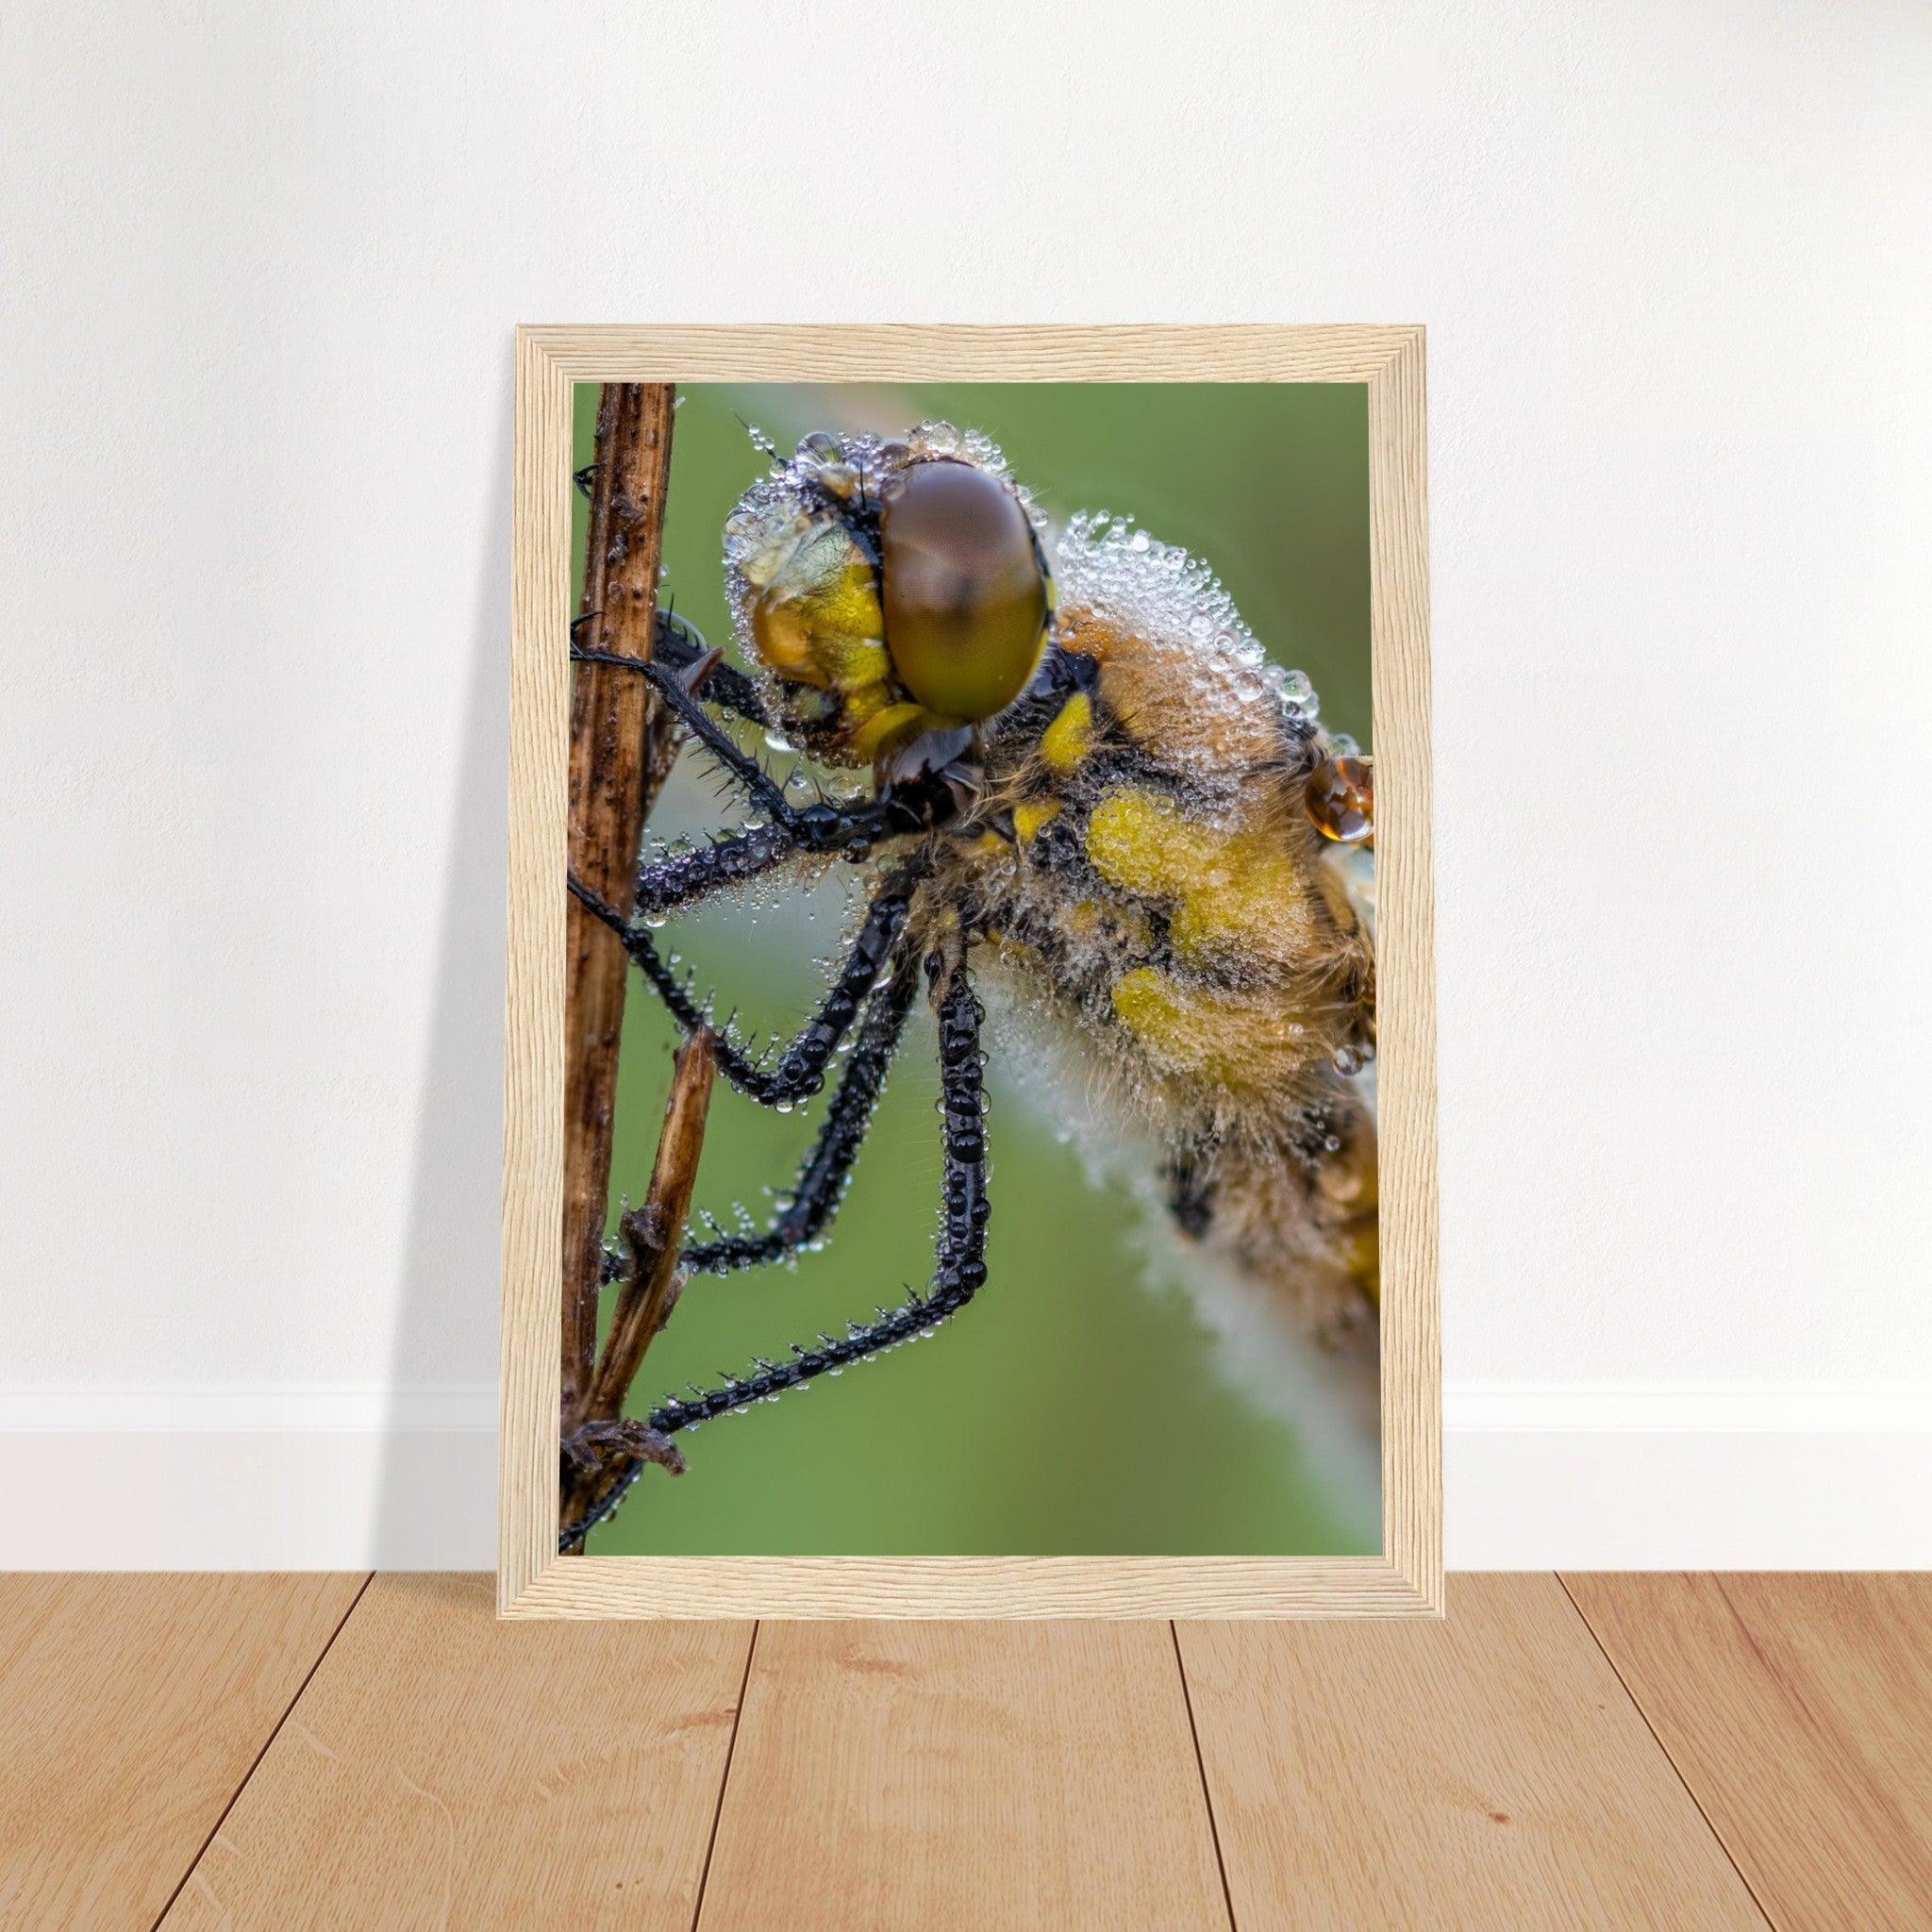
(1074, 777)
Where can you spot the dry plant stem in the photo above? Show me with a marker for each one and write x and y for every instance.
(652, 1233)
(599, 1446)
(620, 750)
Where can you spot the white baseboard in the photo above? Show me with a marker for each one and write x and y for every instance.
(1734, 1476)
(1814, 1477)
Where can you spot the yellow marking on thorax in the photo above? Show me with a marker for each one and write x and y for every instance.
(862, 664)
(1029, 816)
(1065, 742)
(870, 733)
(816, 619)
(1238, 1044)
(816, 622)
(1233, 891)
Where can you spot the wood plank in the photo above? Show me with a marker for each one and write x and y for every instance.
(859, 1589)
(1799, 1710)
(444, 1768)
(131, 1707)
(968, 352)
(964, 1775)
(1487, 1770)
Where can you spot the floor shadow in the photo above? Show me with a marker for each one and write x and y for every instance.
(436, 1494)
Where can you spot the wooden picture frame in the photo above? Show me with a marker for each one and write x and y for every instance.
(533, 1581)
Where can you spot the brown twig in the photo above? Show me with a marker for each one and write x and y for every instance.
(620, 750)
(653, 1231)
(650, 1291)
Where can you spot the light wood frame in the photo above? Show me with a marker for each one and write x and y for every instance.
(532, 1580)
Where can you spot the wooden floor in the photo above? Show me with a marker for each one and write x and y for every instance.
(339, 1752)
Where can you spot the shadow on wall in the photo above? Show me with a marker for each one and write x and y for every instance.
(436, 1485)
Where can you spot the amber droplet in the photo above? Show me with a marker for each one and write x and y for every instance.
(1342, 799)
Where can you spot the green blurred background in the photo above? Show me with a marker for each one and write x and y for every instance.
(1078, 1407)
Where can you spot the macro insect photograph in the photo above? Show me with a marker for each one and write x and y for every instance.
(970, 1097)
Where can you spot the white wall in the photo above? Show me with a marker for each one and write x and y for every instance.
(262, 266)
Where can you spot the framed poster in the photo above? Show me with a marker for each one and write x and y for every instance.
(970, 1114)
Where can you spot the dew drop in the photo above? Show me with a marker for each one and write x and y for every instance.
(1340, 800)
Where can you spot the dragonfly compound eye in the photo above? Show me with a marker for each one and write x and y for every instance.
(964, 591)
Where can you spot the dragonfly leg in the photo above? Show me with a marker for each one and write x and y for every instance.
(960, 1273)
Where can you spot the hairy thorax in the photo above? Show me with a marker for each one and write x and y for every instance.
(1146, 876)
